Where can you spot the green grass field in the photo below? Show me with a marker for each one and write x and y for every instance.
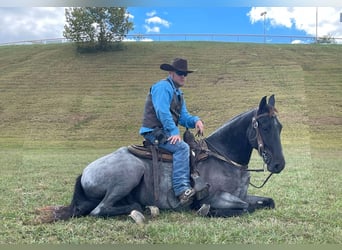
(60, 110)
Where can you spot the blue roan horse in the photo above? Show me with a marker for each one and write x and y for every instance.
(121, 182)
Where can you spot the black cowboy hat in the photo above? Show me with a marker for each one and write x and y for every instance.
(178, 64)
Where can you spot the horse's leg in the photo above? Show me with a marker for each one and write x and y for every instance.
(258, 202)
(119, 209)
(110, 204)
(224, 204)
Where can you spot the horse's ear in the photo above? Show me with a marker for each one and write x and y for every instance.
(271, 101)
(262, 105)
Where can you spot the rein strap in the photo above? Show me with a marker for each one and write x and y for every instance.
(226, 159)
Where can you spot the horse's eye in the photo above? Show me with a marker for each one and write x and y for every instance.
(266, 126)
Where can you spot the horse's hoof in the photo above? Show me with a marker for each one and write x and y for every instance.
(138, 217)
(204, 210)
(154, 211)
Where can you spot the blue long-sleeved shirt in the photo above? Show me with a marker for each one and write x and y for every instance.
(162, 93)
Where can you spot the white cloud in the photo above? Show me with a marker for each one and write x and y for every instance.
(154, 29)
(301, 18)
(154, 23)
(297, 42)
(152, 13)
(22, 24)
(129, 15)
(157, 20)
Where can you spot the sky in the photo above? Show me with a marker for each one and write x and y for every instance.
(153, 23)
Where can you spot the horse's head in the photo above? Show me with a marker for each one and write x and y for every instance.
(264, 135)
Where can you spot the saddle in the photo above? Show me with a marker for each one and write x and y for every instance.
(198, 150)
(144, 151)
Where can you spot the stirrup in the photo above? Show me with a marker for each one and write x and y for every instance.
(187, 196)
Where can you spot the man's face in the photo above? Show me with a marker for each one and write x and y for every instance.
(179, 77)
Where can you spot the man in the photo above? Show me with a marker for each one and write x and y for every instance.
(165, 108)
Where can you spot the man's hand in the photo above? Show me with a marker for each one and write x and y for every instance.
(199, 127)
(174, 139)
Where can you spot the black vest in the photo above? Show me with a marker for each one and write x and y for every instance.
(150, 119)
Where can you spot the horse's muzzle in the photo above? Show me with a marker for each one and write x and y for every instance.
(274, 165)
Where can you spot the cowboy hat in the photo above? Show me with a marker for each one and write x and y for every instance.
(177, 64)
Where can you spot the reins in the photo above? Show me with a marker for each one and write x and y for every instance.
(224, 158)
(263, 184)
(242, 167)
(260, 142)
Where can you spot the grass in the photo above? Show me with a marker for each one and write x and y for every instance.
(60, 110)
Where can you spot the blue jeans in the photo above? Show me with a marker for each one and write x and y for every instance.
(180, 166)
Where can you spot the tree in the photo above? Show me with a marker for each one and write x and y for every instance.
(96, 28)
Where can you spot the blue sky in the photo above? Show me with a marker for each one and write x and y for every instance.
(35, 23)
(238, 20)
(197, 19)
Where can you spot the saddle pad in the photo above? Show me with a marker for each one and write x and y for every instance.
(145, 152)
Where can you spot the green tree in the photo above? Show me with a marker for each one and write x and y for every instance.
(96, 28)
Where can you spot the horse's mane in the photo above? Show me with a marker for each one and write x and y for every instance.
(234, 119)
(243, 114)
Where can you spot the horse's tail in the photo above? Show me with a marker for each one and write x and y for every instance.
(80, 206)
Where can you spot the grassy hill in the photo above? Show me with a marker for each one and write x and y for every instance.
(60, 110)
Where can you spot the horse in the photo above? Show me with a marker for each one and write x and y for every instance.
(121, 183)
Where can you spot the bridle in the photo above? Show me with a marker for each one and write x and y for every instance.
(255, 124)
(261, 149)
